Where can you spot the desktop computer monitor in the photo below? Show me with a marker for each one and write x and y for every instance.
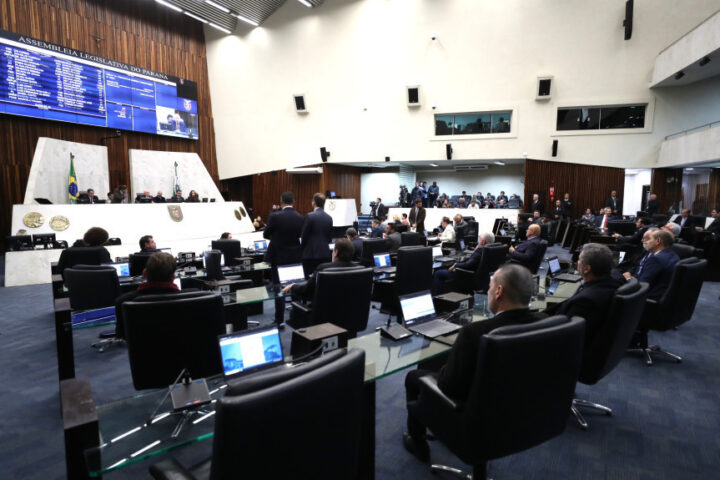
(44, 239)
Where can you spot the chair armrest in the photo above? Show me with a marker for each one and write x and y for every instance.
(650, 301)
(429, 385)
(170, 469)
(299, 306)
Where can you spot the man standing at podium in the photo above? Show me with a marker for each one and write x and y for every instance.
(283, 229)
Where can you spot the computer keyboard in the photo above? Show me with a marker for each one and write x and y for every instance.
(435, 328)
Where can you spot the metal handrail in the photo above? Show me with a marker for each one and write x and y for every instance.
(692, 130)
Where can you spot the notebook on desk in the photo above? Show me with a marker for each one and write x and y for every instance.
(419, 315)
(383, 263)
(250, 351)
(555, 272)
(288, 274)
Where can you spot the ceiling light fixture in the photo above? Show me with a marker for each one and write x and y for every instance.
(195, 17)
(219, 7)
(433, 165)
(704, 61)
(246, 20)
(679, 75)
(306, 3)
(502, 164)
(177, 9)
(218, 27)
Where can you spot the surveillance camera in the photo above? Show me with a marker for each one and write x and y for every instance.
(433, 37)
(433, 107)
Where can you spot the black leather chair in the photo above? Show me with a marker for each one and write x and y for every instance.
(511, 406)
(82, 256)
(413, 274)
(256, 436)
(137, 262)
(230, 248)
(371, 246)
(686, 251)
(537, 261)
(341, 296)
(674, 308)
(608, 346)
(409, 239)
(166, 333)
(468, 281)
(114, 241)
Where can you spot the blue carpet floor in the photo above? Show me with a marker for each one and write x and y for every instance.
(665, 425)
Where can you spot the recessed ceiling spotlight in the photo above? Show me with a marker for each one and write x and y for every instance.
(433, 164)
(218, 6)
(246, 20)
(177, 9)
(499, 163)
(195, 17)
(218, 27)
(306, 3)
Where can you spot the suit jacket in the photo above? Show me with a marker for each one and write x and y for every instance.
(689, 223)
(380, 210)
(526, 252)
(714, 227)
(378, 231)
(567, 207)
(176, 199)
(617, 205)
(283, 229)
(394, 241)
(657, 271)
(592, 302)
(316, 234)
(599, 220)
(158, 199)
(472, 262)
(635, 238)
(456, 377)
(357, 244)
(558, 213)
(306, 289)
(539, 206)
(417, 218)
(652, 207)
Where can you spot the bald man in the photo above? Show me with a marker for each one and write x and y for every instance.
(526, 253)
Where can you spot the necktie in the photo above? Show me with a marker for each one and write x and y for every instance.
(642, 264)
(604, 222)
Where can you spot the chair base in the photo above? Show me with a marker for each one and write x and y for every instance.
(106, 343)
(478, 473)
(577, 402)
(651, 350)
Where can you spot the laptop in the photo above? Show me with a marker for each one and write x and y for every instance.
(419, 315)
(260, 245)
(555, 269)
(437, 251)
(288, 274)
(122, 269)
(383, 263)
(250, 351)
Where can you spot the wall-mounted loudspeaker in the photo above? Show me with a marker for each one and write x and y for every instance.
(627, 23)
(387, 159)
(554, 148)
(300, 103)
(544, 88)
(324, 154)
(413, 96)
(448, 151)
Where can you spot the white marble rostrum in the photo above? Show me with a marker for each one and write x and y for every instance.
(155, 171)
(51, 166)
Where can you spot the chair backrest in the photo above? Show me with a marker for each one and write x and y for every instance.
(472, 230)
(686, 251)
(611, 340)
(521, 395)
(409, 239)
(137, 262)
(535, 264)
(92, 286)
(494, 255)
(230, 248)
(333, 304)
(371, 246)
(166, 333)
(414, 270)
(81, 256)
(678, 302)
(319, 438)
(114, 241)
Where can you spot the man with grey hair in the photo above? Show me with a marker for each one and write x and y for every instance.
(352, 235)
(511, 288)
(472, 263)
(592, 300)
(656, 268)
(673, 228)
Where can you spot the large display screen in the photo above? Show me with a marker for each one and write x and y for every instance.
(44, 80)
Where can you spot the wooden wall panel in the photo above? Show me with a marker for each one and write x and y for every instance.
(263, 190)
(140, 33)
(714, 189)
(589, 186)
(666, 183)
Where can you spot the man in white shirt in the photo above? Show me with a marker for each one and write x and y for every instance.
(448, 233)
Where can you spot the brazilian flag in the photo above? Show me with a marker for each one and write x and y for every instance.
(72, 182)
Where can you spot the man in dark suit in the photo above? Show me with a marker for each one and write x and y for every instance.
(91, 196)
(393, 237)
(147, 244)
(567, 206)
(283, 229)
(356, 241)
(714, 227)
(342, 256)
(511, 288)
(557, 211)
(159, 198)
(445, 275)
(653, 205)
(144, 197)
(537, 204)
(656, 267)
(178, 197)
(378, 229)
(601, 221)
(417, 217)
(316, 235)
(615, 203)
(684, 219)
(379, 209)
(636, 238)
(525, 254)
(592, 300)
